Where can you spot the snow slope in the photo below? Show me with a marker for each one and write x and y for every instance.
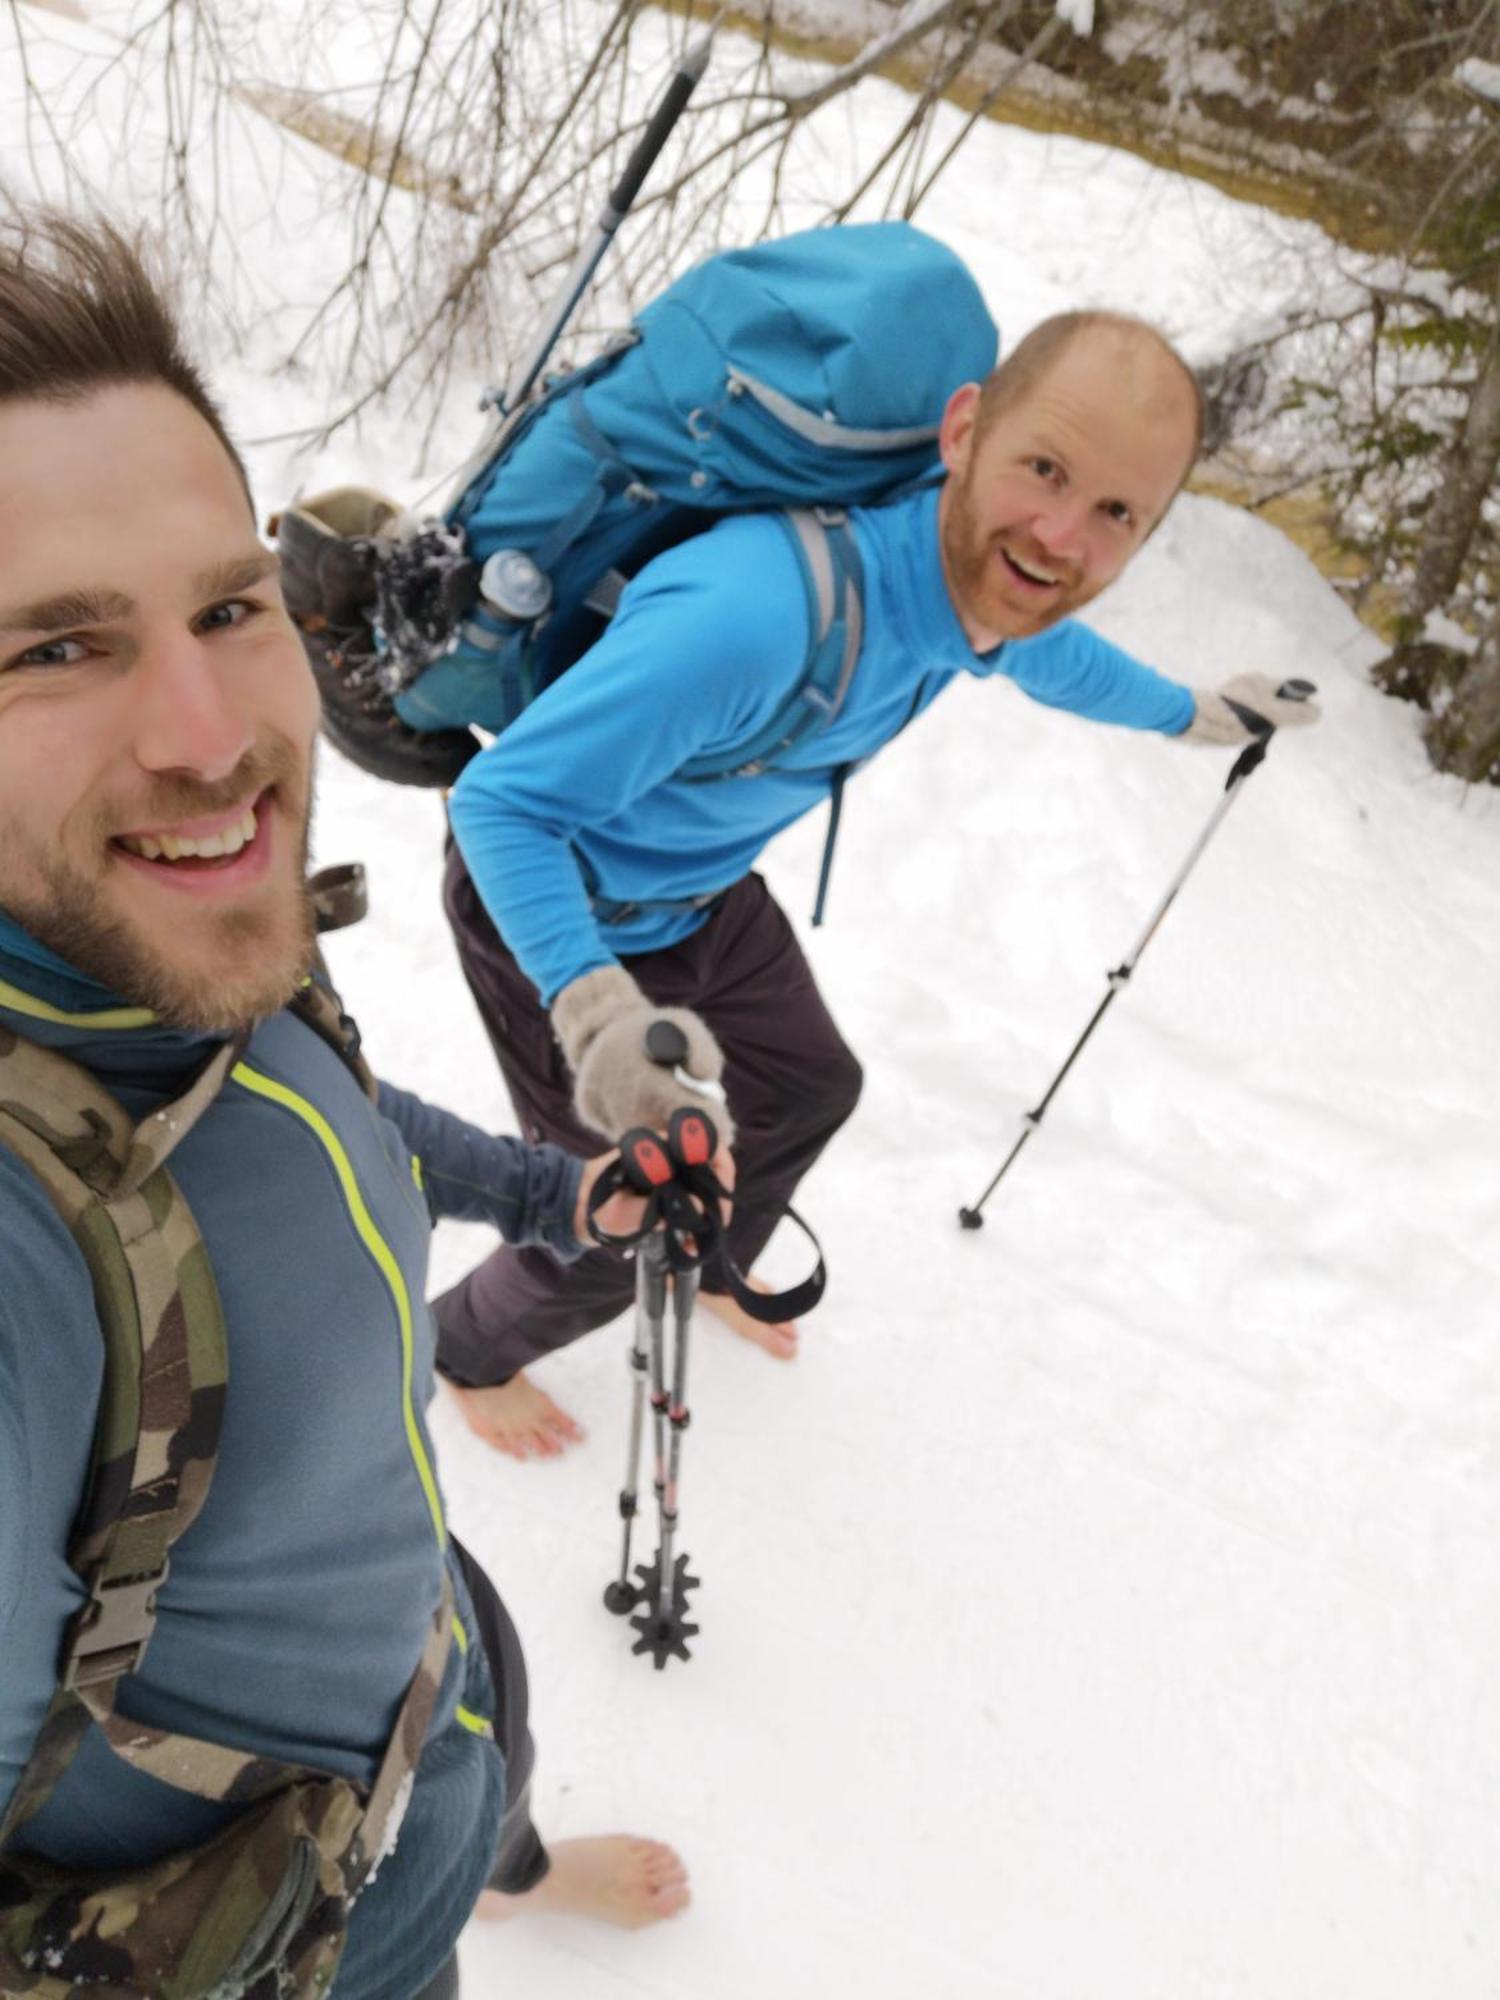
(1105, 1603)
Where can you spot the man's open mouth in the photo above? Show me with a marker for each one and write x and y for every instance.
(1030, 574)
(217, 844)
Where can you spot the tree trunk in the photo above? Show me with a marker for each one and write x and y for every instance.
(1417, 670)
(1464, 737)
(1467, 477)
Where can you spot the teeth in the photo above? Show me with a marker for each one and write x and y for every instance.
(172, 847)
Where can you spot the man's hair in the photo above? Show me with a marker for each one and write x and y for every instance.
(1041, 350)
(84, 307)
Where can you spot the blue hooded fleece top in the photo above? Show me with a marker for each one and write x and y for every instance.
(297, 1603)
(709, 642)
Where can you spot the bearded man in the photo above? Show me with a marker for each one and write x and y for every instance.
(317, 1627)
(1059, 467)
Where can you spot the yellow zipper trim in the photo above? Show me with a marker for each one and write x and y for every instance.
(21, 1002)
(379, 1249)
(480, 1725)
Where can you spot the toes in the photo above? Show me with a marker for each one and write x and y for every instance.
(670, 1900)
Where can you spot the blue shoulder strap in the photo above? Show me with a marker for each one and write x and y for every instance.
(833, 574)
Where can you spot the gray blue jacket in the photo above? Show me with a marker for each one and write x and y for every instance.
(295, 1608)
(710, 641)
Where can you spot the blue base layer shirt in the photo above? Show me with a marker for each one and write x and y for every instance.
(708, 644)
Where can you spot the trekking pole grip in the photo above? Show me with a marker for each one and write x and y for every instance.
(663, 118)
(1254, 752)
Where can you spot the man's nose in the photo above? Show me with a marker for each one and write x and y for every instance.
(188, 712)
(1062, 526)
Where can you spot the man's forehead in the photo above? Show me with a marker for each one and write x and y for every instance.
(122, 455)
(1122, 403)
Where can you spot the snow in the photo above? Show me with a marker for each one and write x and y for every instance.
(1104, 1602)
(1480, 76)
(1076, 14)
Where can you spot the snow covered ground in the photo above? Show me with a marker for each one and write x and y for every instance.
(1107, 1603)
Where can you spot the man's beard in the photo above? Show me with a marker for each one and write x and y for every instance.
(248, 962)
(970, 553)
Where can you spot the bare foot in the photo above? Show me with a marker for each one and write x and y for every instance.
(617, 1878)
(778, 1338)
(517, 1417)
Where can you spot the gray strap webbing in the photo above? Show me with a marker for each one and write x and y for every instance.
(826, 432)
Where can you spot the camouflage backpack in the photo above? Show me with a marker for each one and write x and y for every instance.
(261, 1909)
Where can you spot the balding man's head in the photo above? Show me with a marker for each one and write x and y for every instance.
(1141, 364)
(1061, 464)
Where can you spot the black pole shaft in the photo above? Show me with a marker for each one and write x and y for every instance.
(643, 158)
(1031, 1119)
(1248, 761)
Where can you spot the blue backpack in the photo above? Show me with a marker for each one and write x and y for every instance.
(801, 376)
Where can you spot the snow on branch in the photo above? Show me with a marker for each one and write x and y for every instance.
(1483, 78)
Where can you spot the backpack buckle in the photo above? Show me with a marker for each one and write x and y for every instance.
(108, 1636)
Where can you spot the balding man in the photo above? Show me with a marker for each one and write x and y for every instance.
(1058, 468)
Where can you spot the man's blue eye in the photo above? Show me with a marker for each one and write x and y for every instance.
(53, 653)
(223, 616)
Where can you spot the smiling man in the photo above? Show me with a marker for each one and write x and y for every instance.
(589, 878)
(157, 741)
(305, 1674)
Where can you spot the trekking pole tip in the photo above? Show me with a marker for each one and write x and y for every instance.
(695, 57)
(971, 1218)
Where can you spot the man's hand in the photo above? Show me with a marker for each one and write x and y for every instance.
(602, 1020)
(623, 1213)
(1215, 720)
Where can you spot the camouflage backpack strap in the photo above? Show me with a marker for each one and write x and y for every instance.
(340, 898)
(165, 1364)
(316, 1003)
(261, 1909)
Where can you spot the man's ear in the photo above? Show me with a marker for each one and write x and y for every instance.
(956, 432)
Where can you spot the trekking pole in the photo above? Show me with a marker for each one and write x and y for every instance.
(1249, 760)
(650, 1309)
(663, 1630)
(504, 403)
(672, 1241)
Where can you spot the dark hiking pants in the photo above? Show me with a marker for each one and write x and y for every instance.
(520, 1858)
(790, 1078)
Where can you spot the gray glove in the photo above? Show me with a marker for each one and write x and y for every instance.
(601, 1020)
(1214, 721)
